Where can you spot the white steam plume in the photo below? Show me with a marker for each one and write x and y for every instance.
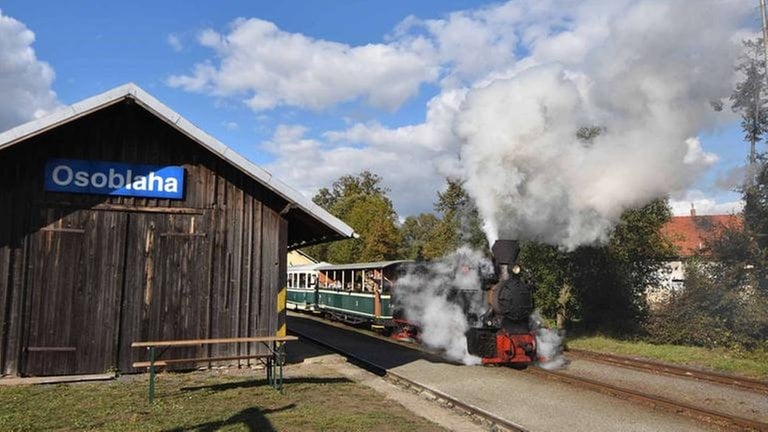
(643, 74)
(439, 297)
(549, 344)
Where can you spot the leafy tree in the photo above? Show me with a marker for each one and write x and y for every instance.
(362, 202)
(416, 232)
(601, 287)
(365, 183)
(756, 206)
(460, 223)
(749, 97)
(750, 100)
(587, 134)
(553, 273)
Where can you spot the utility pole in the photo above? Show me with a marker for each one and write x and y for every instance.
(765, 30)
(764, 18)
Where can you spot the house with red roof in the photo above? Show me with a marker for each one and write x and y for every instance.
(689, 235)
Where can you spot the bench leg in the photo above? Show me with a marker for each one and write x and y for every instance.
(274, 365)
(151, 374)
(280, 361)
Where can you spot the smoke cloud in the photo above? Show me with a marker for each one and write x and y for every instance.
(642, 75)
(443, 297)
(549, 344)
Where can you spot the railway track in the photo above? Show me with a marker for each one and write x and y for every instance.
(658, 367)
(483, 416)
(701, 413)
(707, 415)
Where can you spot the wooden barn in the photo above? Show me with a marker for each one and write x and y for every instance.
(121, 221)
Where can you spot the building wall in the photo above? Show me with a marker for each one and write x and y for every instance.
(83, 276)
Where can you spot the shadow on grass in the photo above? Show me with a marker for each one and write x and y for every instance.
(264, 382)
(253, 418)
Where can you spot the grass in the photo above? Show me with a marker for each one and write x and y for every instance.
(205, 401)
(754, 364)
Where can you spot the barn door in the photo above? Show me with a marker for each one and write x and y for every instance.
(73, 292)
(168, 271)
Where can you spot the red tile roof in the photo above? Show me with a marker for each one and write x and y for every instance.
(688, 233)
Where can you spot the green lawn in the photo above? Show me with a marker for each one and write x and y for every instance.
(753, 364)
(205, 401)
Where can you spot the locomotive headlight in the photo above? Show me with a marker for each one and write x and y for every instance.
(516, 269)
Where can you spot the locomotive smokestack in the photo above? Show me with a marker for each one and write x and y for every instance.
(505, 251)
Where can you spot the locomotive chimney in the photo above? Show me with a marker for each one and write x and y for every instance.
(505, 251)
(504, 255)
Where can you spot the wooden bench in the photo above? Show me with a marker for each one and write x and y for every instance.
(274, 360)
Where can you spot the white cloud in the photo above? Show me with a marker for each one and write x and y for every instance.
(645, 69)
(25, 81)
(705, 204)
(434, 134)
(269, 67)
(309, 164)
(175, 42)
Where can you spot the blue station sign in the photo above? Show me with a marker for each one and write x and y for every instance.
(114, 178)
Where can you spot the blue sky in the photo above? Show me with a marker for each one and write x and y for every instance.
(368, 122)
(95, 45)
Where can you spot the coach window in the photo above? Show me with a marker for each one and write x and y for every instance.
(386, 284)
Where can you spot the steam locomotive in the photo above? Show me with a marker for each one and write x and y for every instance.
(503, 334)
(365, 294)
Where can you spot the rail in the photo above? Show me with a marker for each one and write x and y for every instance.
(400, 379)
(703, 414)
(655, 400)
(669, 369)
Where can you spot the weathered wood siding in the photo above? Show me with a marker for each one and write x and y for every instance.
(83, 276)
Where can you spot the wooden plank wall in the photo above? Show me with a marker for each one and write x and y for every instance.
(215, 277)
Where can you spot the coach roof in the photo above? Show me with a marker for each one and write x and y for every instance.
(335, 228)
(361, 266)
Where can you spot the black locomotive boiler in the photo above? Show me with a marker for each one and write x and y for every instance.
(503, 334)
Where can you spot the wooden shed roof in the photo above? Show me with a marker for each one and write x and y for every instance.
(311, 224)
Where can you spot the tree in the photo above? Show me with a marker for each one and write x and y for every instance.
(365, 183)
(602, 287)
(553, 274)
(748, 99)
(460, 223)
(756, 206)
(416, 232)
(362, 202)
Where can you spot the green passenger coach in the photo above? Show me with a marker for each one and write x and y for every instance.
(302, 287)
(354, 293)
